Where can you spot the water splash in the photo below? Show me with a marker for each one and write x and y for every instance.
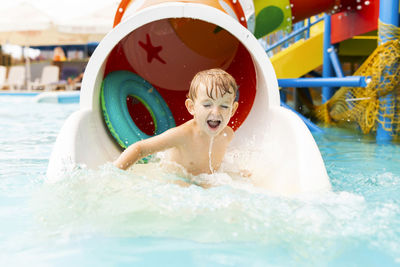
(146, 202)
(210, 155)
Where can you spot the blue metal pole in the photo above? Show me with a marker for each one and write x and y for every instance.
(308, 28)
(389, 14)
(335, 62)
(350, 81)
(311, 126)
(327, 69)
(299, 25)
(283, 96)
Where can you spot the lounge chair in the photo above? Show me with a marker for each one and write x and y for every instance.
(16, 77)
(3, 75)
(49, 79)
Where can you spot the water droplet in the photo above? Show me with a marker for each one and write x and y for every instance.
(120, 10)
(367, 3)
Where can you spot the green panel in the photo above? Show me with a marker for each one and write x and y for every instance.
(357, 47)
(268, 20)
(272, 15)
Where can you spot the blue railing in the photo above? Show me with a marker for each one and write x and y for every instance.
(330, 79)
(296, 33)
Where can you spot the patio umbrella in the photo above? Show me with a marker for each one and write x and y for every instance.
(24, 24)
(98, 22)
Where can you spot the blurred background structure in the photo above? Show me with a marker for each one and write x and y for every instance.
(30, 31)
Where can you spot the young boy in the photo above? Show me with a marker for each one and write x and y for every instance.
(199, 145)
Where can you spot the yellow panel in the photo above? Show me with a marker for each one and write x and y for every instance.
(317, 28)
(300, 58)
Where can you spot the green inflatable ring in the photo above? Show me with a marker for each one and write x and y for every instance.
(116, 87)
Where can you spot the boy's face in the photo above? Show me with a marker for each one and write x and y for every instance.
(211, 115)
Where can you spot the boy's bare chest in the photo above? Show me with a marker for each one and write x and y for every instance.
(196, 156)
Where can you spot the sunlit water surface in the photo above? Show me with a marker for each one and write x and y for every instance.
(108, 217)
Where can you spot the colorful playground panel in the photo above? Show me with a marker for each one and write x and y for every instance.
(347, 24)
(361, 45)
(300, 58)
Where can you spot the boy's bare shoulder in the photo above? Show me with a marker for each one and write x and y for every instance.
(229, 132)
(180, 131)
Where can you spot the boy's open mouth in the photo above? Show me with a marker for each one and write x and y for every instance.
(213, 123)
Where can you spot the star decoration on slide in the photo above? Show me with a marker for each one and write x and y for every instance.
(152, 51)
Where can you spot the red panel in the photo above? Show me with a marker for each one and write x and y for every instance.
(302, 9)
(242, 69)
(117, 61)
(348, 5)
(144, 122)
(347, 24)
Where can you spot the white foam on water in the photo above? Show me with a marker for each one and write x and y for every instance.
(147, 201)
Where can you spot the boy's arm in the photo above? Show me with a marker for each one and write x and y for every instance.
(143, 148)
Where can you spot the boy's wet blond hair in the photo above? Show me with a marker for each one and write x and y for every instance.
(216, 81)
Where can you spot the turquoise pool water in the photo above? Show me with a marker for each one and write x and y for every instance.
(112, 218)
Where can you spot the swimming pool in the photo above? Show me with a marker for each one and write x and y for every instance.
(108, 217)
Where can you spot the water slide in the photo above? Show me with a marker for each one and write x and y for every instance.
(146, 63)
(301, 57)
